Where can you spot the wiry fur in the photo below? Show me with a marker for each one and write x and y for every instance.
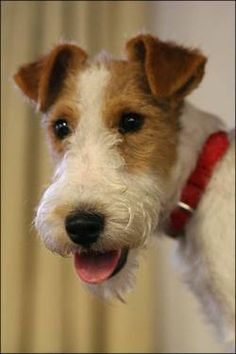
(206, 255)
(135, 180)
(91, 175)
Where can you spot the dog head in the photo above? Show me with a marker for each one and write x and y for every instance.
(112, 127)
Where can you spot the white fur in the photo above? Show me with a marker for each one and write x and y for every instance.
(209, 249)
(206, 255)
(92, 174)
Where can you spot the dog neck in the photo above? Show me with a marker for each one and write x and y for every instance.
(195, 127)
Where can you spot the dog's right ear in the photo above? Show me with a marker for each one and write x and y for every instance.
(42, 80)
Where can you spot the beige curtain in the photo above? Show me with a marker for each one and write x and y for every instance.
(44, 306)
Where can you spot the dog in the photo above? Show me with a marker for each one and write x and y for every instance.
(133, 159)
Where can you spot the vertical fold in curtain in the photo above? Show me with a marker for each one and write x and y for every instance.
(44, 306)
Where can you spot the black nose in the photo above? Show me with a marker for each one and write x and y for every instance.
(84, 228)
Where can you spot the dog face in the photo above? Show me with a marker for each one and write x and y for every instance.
(112, 127)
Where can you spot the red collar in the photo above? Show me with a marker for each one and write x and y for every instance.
(212, 151)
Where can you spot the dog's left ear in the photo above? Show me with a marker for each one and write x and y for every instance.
(172, 71)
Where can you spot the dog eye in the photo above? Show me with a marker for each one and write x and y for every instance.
(130, 122)
(61, 128)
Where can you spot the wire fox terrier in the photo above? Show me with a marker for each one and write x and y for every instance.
(134, 159)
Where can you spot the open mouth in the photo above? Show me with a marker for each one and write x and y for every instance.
(96, 267)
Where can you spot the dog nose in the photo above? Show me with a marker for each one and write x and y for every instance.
(84, 228)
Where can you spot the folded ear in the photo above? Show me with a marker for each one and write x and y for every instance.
(42, 80)
(172, 71)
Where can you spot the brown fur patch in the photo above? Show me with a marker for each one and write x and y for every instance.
(43, 80)
(66, 107)
(172, 70)
(153, 83)
(28, 77)
(153, 147)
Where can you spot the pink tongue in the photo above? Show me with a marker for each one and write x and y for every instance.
(96, 267)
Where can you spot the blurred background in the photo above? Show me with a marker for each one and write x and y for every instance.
(44, 306)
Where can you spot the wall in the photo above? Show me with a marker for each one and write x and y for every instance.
(209, 25)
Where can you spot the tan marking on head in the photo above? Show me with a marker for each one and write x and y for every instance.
(80, 101)
(65, 107)
(153, 147)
